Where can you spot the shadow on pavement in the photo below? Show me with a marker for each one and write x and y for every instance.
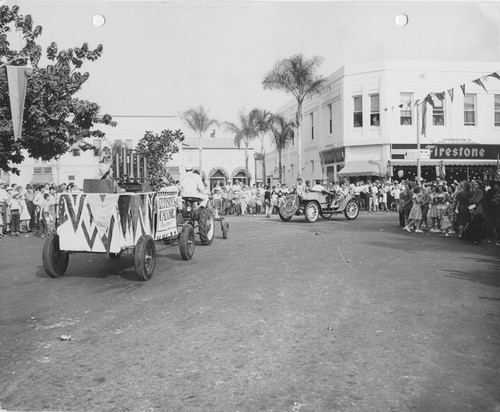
(489, 276)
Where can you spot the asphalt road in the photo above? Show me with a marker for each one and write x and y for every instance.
(333, 316)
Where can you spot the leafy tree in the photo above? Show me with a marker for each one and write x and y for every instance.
(244, 133)
(198, 120)
(283, 133)
(297, 76)
(54, 120)
(158, 149)
(262, 121)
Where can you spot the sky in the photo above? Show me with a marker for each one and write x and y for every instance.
(163, 57)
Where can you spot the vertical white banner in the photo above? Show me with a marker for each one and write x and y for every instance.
(17, 78)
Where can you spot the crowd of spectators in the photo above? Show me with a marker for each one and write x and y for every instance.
(469, 209)
(30, 209)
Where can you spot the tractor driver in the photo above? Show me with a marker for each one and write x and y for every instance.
(192, 186)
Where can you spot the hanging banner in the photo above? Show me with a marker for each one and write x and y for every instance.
(17, 78)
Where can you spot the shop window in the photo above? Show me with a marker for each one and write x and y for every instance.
(497, 110)
(374, 110)
(358, 111)
(469, 109)
(406, 100)
(438, 113)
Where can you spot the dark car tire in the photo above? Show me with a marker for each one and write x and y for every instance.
(145, 257)
(55, 261)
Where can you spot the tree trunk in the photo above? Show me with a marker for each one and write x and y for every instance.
(263, 161)
(279, 165)
(246, 165)
(298, 118)
(200, 160)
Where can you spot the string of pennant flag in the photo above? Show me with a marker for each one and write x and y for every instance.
(433, 97)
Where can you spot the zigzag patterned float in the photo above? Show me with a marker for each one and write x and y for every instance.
(93, 222)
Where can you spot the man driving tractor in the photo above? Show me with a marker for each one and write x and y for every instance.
(193, 187)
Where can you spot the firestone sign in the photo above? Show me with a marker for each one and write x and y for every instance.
(448, 151)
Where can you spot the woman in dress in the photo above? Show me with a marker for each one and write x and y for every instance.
(415, 215)
(433, 209)
(441, 197)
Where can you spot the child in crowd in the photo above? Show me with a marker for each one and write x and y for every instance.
(46, 214)
(446, 224)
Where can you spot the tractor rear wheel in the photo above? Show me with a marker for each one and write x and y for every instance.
(206, 226)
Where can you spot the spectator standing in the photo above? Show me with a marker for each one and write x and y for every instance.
(15, 212)
(3, 207)
(462, 207)
(415, 215)
(407, 202)
(426, 198)
(29, 196)
(267, 201)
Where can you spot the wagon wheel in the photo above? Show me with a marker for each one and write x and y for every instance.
(206, 227)
(186, 242)
(55, 261)
(351, 211)
(145, 257)
(289, 205)
(311, 211)
(225, 229)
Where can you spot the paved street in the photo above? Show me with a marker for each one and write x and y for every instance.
(337, 315)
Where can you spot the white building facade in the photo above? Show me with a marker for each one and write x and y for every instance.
(363, 125)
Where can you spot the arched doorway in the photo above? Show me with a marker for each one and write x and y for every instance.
(241, 177)
(217, 175)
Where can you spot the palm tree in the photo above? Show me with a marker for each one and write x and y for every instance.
(262, 121)
(244, 133)
(297, 76)
(283, 133)
(197, 120)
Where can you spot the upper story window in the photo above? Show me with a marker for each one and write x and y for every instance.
(469, 109)
(497, 109)
(291, 169)
(76, 152)
(358, 111)
(330, 118)
(311, 117)
(438, 113)
(406, 100)
(374, 110)
(97, 144)
(312, 166)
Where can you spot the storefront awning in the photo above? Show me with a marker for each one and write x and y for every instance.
(361, 168)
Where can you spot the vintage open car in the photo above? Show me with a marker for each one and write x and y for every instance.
(314, 204)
